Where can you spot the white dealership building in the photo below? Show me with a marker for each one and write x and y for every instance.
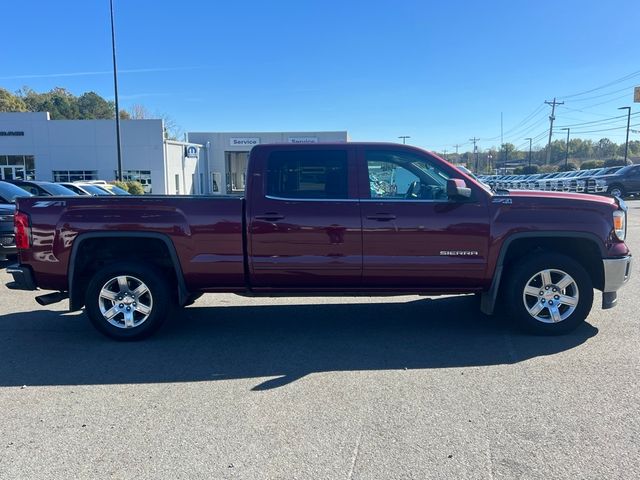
(33, 146)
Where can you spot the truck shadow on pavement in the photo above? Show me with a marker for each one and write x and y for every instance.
(284, 343)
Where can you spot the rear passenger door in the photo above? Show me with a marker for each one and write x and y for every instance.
(304, 219)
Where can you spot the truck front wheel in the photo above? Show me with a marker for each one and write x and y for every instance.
(127, 301)
(548, 294)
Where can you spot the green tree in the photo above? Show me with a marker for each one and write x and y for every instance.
(589, 164)
(11, 103)
(529, 170)
(93, 106)
(60, 103)
(119, 184)
(548, 169)
(581, 148)
(135, 188)
(605, 148)
(569, 167)
(614, 162)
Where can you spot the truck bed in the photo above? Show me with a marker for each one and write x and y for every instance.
(207, 233)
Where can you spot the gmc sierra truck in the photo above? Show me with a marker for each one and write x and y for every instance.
(327, 219)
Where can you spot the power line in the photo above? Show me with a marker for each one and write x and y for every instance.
(614, 82)
(627, 88)
(607, 129)
(604, 120)
(564, 107)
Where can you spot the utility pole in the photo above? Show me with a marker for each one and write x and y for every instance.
(566, 156)
(404, 138)
(552, 117)
(445, 154)
(626, 143)
(530, 140)
(475, 150)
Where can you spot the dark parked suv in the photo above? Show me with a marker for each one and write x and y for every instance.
(8, 195)
(625, 181)
(7, 237)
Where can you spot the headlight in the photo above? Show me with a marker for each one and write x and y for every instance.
(620, 224)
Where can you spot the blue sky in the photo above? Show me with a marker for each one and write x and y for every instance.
(440, 72)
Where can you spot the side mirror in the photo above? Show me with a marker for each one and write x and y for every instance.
(456, 187)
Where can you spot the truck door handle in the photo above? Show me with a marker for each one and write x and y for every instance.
(382, 217)
(270, 216)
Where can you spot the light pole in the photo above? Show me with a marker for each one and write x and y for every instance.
(626, 143)
(566, 157)
(404, 138)
(530, 140)
(115, 88)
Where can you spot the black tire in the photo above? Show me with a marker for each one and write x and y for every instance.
(156, 299)
(615, 188)
(555, 316)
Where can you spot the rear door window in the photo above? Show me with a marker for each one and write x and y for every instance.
(311, 174)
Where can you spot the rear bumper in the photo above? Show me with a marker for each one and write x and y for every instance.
(7, 244)
(617, 272)
(22, 278)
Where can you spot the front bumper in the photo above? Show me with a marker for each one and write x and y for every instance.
(617, 272)
(22, 278)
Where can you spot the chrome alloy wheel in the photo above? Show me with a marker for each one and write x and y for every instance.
(616, 192)
(125, 302)
(551, 296)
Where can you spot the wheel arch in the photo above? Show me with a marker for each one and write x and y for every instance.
(78, 265)
(583, 247)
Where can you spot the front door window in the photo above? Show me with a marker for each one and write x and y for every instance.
(402, 176)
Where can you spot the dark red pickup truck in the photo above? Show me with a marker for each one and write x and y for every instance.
(327, 219)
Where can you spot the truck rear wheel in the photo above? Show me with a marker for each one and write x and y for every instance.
(127, 300)
(548, 294)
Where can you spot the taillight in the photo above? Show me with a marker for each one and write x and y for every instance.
(22, 230)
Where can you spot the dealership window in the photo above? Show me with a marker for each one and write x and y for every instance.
(13, 167)
(236, 163)
(74, 175)
(308, 174)
(215, 182)
(142, 176)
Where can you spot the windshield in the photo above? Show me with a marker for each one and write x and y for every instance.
(58, 190)
(116, 190)
(94, 190)
(9, 192)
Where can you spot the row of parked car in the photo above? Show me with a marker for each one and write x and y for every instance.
(582, 181)
(618, 181)
(12, 189)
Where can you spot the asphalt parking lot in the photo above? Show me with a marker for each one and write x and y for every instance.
(332, 388)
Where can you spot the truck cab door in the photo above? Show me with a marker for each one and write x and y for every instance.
(304, 222)
(414, 235)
